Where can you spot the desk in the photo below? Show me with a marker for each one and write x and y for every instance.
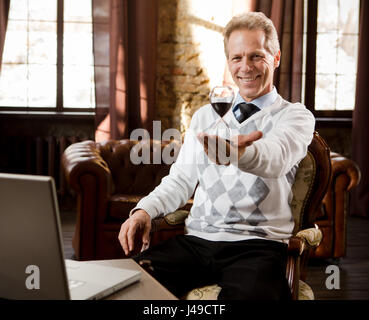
(147, 288)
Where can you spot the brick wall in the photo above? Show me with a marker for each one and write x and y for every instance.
(185, 58)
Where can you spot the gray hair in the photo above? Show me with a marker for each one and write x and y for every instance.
(253, 21)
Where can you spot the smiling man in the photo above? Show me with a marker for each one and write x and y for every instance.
(252, 55)
(240, 222)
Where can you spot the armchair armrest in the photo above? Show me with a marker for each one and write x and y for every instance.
(298, 251)
(341, 164)
(88, 174)
(84, 158)
(176, 217)
(310, 238)
(171, 221)
(163, 228)
(303, 240)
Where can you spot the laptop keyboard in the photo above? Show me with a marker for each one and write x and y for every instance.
(75, 284)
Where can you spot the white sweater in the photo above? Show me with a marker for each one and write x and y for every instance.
(246, 201)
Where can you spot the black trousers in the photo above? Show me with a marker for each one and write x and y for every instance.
(245, 270)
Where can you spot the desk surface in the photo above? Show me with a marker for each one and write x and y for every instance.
(147, 288)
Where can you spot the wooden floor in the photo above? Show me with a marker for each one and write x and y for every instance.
(68, 221)
(354, 268)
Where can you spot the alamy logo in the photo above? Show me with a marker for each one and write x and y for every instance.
(141, 153)
(33, 280)
(146, 151)
(332, 281)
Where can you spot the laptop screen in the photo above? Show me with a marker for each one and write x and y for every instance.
(31, 253)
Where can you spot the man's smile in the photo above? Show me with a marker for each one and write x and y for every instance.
(248, 79)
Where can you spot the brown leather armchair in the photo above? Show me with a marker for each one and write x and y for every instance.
(331, 216)
(312, 180)
(108, 185)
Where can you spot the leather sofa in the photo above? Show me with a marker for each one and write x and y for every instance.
(331, 217)
(108, 186)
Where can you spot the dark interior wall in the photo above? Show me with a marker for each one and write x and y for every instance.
(337, 134)
(33, 143)
(14, 124)
(19, 132)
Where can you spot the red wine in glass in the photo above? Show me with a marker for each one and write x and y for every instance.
(221, 99)
(221, 108)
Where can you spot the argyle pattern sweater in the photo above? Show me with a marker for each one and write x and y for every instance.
(247, 199)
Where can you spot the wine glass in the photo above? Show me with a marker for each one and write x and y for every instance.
(221, 99)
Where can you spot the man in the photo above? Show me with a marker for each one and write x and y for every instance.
(240, 222)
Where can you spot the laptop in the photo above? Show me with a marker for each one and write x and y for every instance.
(32, 264)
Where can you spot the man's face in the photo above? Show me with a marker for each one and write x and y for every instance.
(250, 63)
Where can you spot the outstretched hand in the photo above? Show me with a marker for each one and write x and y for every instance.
(223, 151)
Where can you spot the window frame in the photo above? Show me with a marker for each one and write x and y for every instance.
(310, 71)
(59, 108)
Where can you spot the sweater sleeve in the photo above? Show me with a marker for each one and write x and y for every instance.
(284, 146)
(178, 186)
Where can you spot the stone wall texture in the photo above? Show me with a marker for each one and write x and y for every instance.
(182, 83)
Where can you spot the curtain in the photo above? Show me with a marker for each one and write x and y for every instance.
(4, 11)
(288, 18)
(125, 66)
(360, 144)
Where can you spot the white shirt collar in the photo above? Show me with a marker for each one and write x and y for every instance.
(260, 102)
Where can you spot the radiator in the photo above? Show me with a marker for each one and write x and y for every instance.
(48, 158)
(36, 155)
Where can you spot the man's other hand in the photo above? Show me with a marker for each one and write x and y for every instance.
(139, 220)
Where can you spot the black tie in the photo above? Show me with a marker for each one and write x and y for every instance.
(247, 110)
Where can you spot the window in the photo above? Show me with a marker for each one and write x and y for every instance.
(332, 34)
(48, 58)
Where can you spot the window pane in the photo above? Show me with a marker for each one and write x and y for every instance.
(337, 52)
(77, 44)
(78, 71)
(326, 53)
(15, 47)
(327, 15)
(13, 85)
(30, 54)
(26, 80)
(42, 86)
(348, 16)
(325, 92)
(79, 87)
(79, 10)
(18, 10)
(346, 92)
(42, 42)
(347, 54)
(43, 10)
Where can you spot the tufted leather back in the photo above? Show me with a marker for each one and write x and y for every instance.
(130, 178)
(311, 183)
